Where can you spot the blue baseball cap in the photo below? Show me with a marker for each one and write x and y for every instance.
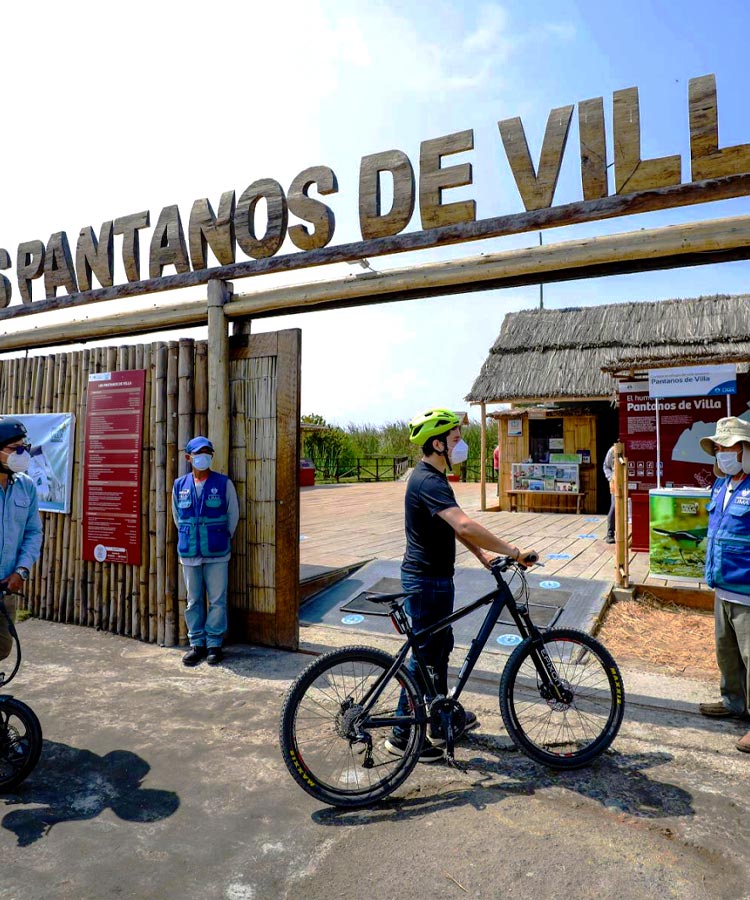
(198, 443)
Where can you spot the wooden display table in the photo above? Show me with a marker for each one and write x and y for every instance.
(577, 495)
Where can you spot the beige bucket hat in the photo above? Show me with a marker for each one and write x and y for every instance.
(729, 431)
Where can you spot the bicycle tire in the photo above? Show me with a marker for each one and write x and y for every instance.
(555, 734)
(20, 742)
(316, 741)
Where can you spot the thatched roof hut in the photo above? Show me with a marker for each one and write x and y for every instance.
(570, 354)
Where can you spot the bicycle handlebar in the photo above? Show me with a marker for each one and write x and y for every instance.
(502, 563)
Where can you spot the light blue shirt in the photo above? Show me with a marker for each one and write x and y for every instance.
(21, 537)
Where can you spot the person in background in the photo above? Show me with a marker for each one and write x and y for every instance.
(496, 460)
(609, 472)
(20, 523)
(728, 567)
(206, 513)
(433, 522)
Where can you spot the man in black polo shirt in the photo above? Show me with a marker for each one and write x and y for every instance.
(433, 522)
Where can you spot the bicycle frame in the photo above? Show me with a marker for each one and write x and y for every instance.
(499, 599)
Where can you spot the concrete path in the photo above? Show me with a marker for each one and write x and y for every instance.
(162, 782)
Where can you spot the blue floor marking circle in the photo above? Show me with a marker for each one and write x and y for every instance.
(588, 537)
(549, 585)
(509, 640)
(594, 519)
(559, 556)
(352, 619)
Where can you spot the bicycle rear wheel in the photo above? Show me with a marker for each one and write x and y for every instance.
(324, 734)
(20, 742)
(568, 733)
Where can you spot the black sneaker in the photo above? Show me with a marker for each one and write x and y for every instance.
(609, 539)
(194, 656)
(215, 656)
(436, 734)
(428, 753)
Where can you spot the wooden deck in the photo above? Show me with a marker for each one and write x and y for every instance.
(350, 523)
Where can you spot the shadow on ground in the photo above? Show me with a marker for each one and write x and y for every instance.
(617, 781)
(73, 785)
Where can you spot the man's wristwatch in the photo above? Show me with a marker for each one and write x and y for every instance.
(23, 572)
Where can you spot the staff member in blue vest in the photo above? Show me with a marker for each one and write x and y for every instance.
(205, 511)
(728, 567)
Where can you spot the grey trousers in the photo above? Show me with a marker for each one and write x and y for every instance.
(6, 641)
(732, 629)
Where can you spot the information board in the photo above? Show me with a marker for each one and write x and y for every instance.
(113, 443)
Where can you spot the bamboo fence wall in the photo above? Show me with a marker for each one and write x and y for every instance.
(145, 601)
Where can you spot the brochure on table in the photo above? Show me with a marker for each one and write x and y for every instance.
(558, 477)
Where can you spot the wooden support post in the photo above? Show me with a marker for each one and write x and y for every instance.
(219, 293)
(622, 538)
(483, 456)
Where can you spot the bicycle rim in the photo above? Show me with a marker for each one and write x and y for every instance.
(20, 742)
(563, 735)
(320, 720)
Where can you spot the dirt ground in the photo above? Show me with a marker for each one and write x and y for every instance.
(661, 636)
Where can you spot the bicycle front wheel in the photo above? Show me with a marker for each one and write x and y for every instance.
(569, 729)
(333, 749)
(20, 742)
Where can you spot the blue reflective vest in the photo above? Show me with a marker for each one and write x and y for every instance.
(202, 523)
(728, 546)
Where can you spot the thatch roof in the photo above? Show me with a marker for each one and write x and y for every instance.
(544, 354)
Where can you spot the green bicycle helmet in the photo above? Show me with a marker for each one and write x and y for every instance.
(432, 423)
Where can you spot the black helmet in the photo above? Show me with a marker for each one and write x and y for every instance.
(11, 429)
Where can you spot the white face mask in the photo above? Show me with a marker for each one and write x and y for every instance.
(18, 462)
(201, 461)
(728, 463)
(460, 453)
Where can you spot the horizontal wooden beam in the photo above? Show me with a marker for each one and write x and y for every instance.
(160, 318)
(554, 217)
(672, 246)
(697, 243)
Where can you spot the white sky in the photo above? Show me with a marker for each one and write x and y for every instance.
(113, 109)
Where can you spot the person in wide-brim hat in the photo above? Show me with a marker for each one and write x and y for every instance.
(729, 432)
(728, 567)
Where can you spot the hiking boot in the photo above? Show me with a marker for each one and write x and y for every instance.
(715, 710)
(194, 656)
(428, 753)
(743, 744)
(215, 656)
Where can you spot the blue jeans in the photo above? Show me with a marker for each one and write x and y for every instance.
(429, 600)
(209, 579)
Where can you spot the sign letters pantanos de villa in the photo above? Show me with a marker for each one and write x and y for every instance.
(71, 270)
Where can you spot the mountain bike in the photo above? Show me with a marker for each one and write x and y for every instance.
(20, 731)
(561, 700)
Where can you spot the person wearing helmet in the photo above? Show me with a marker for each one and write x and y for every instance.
(21, 538)
(433, 522)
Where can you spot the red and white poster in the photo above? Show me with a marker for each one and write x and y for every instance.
(683, 421)
(112, 467)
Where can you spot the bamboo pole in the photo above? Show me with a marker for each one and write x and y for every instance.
(140, 584)
(483, 456)
(170, 587)
(622, 542)
(160, 440)
(150, 628)
(219, 293)
(185, 430)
